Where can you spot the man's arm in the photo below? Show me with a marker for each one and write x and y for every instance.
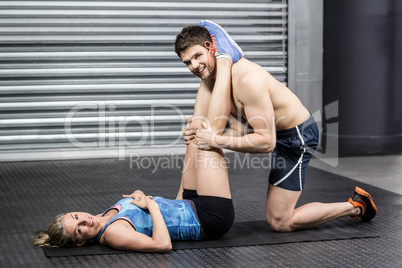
(254, 95)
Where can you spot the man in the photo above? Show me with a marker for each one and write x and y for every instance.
(246, 97)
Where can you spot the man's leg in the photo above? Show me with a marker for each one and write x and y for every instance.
(295, 147)
(282, 216)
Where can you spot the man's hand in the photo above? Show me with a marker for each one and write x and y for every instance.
(188, 132)
(205, 138)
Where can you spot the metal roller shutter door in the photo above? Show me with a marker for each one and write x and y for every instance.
(85, 78)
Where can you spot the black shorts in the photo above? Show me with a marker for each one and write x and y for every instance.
(216, 214)
(292, 154)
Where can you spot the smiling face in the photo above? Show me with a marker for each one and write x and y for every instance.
(199, 61)
(81, 226)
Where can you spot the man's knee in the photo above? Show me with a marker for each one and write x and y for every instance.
(278, 223)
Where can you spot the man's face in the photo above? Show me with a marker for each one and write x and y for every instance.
(199, 61)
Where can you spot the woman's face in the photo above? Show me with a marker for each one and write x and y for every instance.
(81, 226)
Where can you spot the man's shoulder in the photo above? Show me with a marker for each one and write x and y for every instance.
(246, 73)
(245, 68)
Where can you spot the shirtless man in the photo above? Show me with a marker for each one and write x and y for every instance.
(241, 94)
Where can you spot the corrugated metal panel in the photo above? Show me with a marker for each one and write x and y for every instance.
(90, 75)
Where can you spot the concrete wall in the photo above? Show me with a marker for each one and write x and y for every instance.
(363, 72)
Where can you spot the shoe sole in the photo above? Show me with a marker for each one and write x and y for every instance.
(362, 192)
(230, 38)
(362, 202)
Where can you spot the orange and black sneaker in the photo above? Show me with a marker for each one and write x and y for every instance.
(363, 200)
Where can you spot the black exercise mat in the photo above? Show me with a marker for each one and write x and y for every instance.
(242, 234)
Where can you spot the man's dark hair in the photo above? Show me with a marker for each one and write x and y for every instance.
(189, 36)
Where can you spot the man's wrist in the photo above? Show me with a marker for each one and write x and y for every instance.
(220, 141)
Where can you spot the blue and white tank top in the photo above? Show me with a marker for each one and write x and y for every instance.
(179, 216)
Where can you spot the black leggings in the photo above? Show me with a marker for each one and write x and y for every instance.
(216, 214)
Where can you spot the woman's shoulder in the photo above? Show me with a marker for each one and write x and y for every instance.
(113, 229)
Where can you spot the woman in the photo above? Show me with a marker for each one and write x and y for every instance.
(146, 224)
(202, 210)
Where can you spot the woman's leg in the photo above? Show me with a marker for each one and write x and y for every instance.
(189, 175)
(214, 203)
(212, 174)
(216, 113)
(211, 169)
(206, 172)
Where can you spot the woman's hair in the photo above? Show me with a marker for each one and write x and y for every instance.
(190, 36)
(54, 236)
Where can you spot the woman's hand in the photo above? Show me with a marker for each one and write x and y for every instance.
(143, 202)
(135, 194)
(123, 238)
(140, 199)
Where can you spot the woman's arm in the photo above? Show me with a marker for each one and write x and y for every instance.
(122, 236)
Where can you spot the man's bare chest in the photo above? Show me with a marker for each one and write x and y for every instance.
(236, 107)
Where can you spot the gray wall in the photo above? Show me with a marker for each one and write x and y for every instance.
(305, 46)
(362, 71)
(89, 79)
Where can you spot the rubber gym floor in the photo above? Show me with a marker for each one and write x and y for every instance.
(32, 193)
